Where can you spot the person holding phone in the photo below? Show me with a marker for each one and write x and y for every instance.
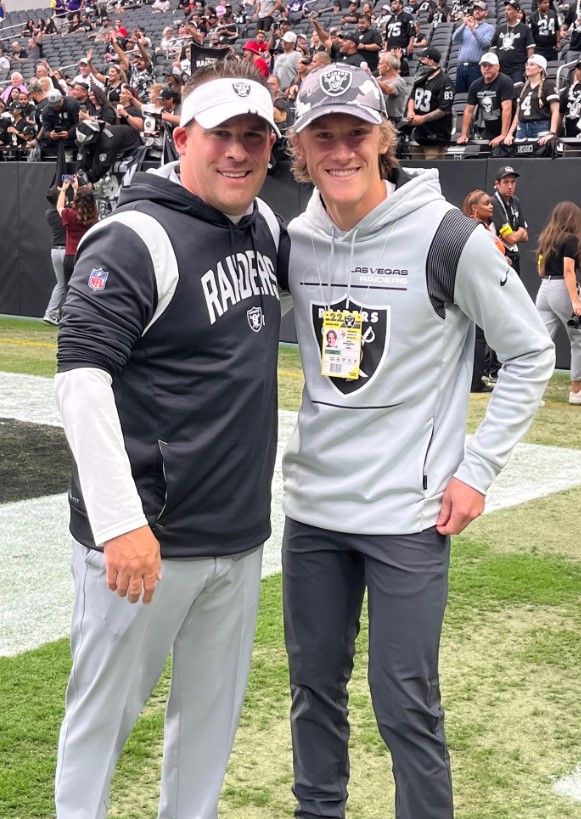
(77, 219)
(60, 118)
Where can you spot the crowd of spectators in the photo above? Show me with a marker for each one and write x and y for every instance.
(444, 69)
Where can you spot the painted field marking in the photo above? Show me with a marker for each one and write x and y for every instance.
(36, 589)
(51, 346)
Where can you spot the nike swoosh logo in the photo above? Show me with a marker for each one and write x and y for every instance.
(504, 281)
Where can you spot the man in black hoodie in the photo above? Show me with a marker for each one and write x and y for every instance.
(167, 388)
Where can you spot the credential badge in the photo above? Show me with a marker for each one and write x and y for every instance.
(255, 319)
(336, 82)
(243, 89)
(98, 279)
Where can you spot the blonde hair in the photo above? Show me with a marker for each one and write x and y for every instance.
(387, 161)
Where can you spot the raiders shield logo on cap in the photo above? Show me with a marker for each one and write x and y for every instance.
(337, 82)
(241, 88)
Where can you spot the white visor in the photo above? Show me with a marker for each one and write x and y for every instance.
(216, 101)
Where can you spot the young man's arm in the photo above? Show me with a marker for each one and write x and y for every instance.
(493, 297)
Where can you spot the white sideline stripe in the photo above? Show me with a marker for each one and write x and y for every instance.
(569, 785)
(36, 590)
(28, 398)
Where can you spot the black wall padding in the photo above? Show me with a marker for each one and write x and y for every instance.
(26, 276)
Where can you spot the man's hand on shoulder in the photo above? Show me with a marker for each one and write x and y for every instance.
(461, 505)
(133, 564)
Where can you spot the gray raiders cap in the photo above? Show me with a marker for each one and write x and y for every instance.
(339, 89)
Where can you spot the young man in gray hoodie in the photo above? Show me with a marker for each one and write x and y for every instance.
(376, 475)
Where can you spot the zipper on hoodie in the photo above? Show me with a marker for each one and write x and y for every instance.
(427, 452)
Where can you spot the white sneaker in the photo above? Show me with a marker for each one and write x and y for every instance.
(575, 397)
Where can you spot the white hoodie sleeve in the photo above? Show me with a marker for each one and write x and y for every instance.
(489, 292)
(113, 504)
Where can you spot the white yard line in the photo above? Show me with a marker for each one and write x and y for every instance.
(35, 584)
(569, 785)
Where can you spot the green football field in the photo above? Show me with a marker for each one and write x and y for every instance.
(510, 667)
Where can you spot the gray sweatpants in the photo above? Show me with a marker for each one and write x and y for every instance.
(554, 304)
(57, 298)
(324, 579)
(203, 613)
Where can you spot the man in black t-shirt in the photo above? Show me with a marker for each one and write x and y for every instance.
(399, 28)
(352, 15)
(544, 25)
(429, 108)
(369, 44)
(513, 43)
(348, 52)
(493, 93)
(570, 104)
(507, 217)
(399, 33)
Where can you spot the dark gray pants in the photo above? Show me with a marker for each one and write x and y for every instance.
(324, 579)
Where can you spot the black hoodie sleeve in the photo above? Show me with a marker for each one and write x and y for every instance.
(112, 297)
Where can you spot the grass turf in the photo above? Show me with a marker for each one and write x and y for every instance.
(510, 660)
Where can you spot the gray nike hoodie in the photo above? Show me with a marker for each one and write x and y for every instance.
(374, 456)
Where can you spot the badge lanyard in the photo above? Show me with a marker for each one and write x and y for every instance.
(342, 339)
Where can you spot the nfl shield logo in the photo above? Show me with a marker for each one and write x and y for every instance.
(336, 82)
(242, 88)
(255, 319)
(98, 279)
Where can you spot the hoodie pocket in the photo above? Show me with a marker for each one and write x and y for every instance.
(177, 464)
